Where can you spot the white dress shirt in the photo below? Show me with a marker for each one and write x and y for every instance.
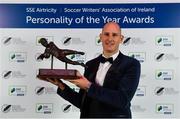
(102, 70)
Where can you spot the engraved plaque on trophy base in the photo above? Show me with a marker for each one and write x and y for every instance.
(58, 73)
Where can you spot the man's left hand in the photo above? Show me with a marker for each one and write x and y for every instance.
(81, 82)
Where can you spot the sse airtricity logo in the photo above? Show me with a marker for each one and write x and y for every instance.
(140, 56)
(48, 38)
(77, 57)
(164, 74)
(98, 41)
(165, 109)
(45, 108)
(164, 41)
(17, 90)
(18, 57)
(141, 91)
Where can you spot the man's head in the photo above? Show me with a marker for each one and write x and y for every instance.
(111, 38)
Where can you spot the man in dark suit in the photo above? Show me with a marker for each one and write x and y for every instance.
(109, 83)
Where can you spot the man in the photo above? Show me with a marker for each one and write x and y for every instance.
(107, 87)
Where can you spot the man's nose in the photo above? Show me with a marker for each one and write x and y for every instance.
(110, 37)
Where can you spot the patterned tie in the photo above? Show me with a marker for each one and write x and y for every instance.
(103, 59)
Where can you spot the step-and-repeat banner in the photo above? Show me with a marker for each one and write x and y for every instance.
(152, 36)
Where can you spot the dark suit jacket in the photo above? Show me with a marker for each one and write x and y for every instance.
(112, 100)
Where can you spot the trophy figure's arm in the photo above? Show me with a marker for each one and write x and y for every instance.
(44, 55)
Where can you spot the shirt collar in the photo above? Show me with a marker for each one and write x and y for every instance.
(114, 56)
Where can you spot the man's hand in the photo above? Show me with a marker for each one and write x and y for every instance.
(81, 82)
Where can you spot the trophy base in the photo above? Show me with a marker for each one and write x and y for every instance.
(58, 73)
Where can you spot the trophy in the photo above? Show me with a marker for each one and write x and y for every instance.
(51, 50)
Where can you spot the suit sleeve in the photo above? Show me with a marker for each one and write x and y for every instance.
(70, 95)
(126, 88)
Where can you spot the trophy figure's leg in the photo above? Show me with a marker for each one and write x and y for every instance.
(65, 59)
(70, 52)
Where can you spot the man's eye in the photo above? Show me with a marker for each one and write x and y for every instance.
(106, 34)
(109, 34)
(114, 34)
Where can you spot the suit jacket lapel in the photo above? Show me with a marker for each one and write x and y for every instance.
(113, 66)
(93, 71)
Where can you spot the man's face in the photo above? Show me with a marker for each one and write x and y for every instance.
(111, 38)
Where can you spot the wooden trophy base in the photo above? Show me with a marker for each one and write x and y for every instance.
(58, 73)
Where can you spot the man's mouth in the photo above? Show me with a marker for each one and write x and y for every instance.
(109, 43)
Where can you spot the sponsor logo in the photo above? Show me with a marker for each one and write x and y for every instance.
(77, 57)
(165, 109)
(13, 41)
(17, 90)
(13, 74)
(7, 40)
(44, 90)
(66, 108)
(7, 74)
(137, 108)
(72, 41)
(166, 57)
(159, 57)
(7, 108)
(126, 40)
(164, 40)
(141, 56)
(165, 91)
(132, 41)
(159, 90)
(141, 91)
(164, 74)
(40, 90)
(98, 41)
(49, 39)
(18, 57)
(45, 59)
(45, 108)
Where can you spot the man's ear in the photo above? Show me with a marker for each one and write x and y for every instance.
(121, 38)
(100, 35)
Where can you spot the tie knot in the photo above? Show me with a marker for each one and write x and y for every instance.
(103, 59)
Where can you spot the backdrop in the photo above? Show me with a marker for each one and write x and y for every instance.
(152, 33)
